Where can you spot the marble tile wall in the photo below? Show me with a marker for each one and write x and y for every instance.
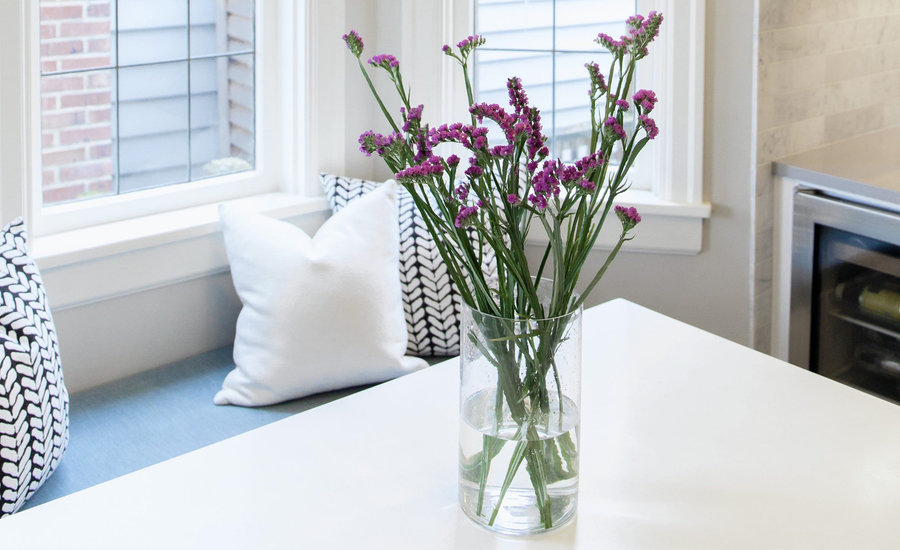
(828, 70)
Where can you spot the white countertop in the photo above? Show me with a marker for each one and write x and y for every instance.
(689, 442)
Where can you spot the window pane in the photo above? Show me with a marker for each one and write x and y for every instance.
(77, 136)
(77, 35)
(572, 120)
(173, 102)
(153, 126)
(221, 27)
(152, 31)
(515, 24)
(579, 21)
(222, 122)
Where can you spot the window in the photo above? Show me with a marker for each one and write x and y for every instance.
(546, 43)
(137, 94)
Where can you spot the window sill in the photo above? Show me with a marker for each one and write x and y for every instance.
(666, 227)
(110, 260)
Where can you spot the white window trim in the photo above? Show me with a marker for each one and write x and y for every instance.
(77, 259)
(674, 210)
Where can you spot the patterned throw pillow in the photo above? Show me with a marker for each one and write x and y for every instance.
(34, 403)
(431, 301)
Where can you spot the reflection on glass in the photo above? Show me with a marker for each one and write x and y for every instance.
(152, 31)
(579, 21)
(77, 136)
(217, 28)
(222, 122)
(153, 126)
(77, 35)
(522, 24)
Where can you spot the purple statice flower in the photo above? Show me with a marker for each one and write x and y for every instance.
(614, 46)
(385, 61)
(513, 199)
(497, 114)
(650, 126)
(446, 49)
(613, 127)
(531, 166)
(452, 160)
(587, 185)
(465, 215)
(500, 151)
(536, 142)
(518, 99)
(468, 44)
(598, 82)
(456, 132)
(545, 185)
(642, 32)
(479, 138)
(628, 216)
(480, 203)
(370, 142)
(462, 192)
(354, 43)
(430, 167)
(622, 104)
(473, 171)
(590, 162)
(411, 120)
(645, 99)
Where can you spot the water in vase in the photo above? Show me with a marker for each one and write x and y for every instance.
(538, 464)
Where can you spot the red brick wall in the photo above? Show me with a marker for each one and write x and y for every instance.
(77, 112)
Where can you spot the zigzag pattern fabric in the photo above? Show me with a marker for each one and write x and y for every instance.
(34, 403)
(431, 301)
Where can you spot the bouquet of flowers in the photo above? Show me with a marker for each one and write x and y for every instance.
(503, 190)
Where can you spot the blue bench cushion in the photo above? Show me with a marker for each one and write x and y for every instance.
(150, 417)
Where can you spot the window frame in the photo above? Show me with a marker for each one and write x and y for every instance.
(673, 209)
(276, 69)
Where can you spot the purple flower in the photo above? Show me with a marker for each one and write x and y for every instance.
(370, 142)
(446, 49)
(464, 217)
(513, 199)
(614, 46)
(385, 61)
(590, 162)
(462, 192)
(613, 126)
(598, 83)
(467, 45)
(430, 167)
(645, 99)
(628, 216)
(411, 119)
(518, 99)
(650, 126)
(452, 160)
(622, 104)
(545, 184)
(354, 43)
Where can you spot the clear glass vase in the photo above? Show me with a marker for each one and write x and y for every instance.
(520, 397)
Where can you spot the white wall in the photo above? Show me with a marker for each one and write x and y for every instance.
(127, 334)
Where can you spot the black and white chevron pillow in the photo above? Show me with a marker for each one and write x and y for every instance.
(430, 299)
(34, 403)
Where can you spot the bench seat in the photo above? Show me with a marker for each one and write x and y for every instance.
(155, 415)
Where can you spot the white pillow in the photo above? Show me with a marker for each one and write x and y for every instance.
(319, 313)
